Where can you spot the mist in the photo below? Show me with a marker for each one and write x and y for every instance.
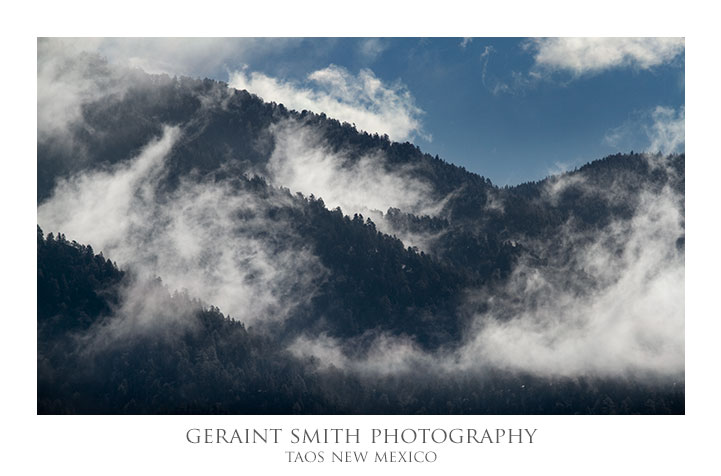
(607, 303)
(207, 237)
(303, 161)
(617, 307)
(67, 79)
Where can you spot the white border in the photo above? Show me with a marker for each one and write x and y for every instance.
(564, 445)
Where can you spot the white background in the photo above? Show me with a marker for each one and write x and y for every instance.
(81, 445)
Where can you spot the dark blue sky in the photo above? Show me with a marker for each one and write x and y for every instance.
(510, 109)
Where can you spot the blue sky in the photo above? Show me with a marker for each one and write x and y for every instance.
(511, 109)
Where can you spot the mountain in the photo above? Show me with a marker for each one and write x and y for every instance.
(197, 360)
(356, 274)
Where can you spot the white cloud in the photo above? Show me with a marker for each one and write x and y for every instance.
(581, 56)
(368, 185)
(303, 162)
(465, 42)
(667, 133)
(99, 207)
(362, 99)
(209, 237)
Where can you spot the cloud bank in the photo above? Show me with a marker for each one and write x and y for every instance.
(587, 56)
(175, 56)
(362, 99)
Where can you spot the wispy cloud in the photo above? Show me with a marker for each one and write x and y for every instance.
(668, 130)
(587, 56)
(371, 48)
(362, 99)
(511, 82)
(661, 129)
(465, 42)
(485, 56)
(368, 185)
